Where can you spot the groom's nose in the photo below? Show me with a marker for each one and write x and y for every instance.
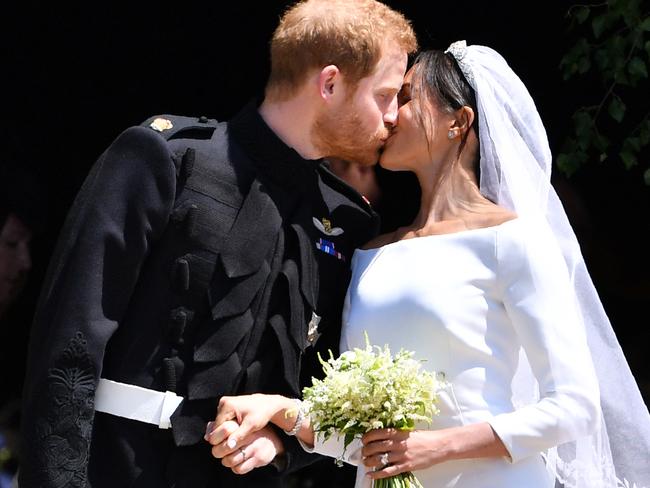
(390, 116)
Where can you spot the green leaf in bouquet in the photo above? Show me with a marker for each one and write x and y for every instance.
(371, 388)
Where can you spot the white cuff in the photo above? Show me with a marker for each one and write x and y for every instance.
(334, 448)
(136, 403)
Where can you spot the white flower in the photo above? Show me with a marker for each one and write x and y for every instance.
(368, 388)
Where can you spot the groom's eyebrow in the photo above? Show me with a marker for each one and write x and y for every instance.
(406, 88)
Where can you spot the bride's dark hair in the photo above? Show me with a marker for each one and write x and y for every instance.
(438, 80)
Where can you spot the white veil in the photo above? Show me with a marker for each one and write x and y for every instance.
(515, 165)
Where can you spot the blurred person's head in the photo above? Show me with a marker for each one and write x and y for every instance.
(360, 177)
(20, 219)
(15, 258)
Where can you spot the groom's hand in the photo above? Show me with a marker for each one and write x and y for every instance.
(253, 451)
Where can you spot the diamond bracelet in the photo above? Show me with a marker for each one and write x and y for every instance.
(299, 418)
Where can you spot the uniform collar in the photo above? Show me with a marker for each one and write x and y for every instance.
(279, 162)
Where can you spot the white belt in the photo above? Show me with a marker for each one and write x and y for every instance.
(136, 403)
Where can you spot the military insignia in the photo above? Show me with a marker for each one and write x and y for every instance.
(161, 124)
(312, 330)
(329, 248)
(325, 226)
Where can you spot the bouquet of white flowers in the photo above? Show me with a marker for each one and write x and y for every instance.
(367, 389)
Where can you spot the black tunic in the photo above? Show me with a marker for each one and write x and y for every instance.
(176, 275)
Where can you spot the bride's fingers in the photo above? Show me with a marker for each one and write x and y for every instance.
(226, 410)
(378, 447)
(248, 426)
(388, 471)
(382, 434)
(377, 461)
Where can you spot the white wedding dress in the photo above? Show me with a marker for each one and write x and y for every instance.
(469, 303)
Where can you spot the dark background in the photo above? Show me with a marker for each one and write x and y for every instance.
(74, 75)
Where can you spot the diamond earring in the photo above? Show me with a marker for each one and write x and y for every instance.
(451, 134)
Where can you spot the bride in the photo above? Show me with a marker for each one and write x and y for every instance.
(489, 286)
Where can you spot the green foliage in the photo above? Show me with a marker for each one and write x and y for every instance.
(611, 48)
(366, 389)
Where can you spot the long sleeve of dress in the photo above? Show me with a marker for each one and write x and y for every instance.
(539, 299)
(121, 209)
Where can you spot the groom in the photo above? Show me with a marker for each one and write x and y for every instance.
(205, 258)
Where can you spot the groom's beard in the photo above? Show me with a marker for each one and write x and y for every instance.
(343, 136)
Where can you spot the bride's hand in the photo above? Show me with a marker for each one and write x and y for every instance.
(390, 451)
(401, 451)
(251, 413)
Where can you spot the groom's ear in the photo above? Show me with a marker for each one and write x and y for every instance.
(329, 82)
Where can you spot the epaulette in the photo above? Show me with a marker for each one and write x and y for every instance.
(181, 127)
(187, 131)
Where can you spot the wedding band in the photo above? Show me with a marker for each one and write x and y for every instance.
(243, 452)
(383, 459)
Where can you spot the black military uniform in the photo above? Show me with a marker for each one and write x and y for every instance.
(199, 257)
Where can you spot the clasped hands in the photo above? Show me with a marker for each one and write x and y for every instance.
(243, 439)
(241, 435)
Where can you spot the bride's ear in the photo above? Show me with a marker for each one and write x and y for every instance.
(463, 120)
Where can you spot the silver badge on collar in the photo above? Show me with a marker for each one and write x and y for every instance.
(312, 331)
(325, 226)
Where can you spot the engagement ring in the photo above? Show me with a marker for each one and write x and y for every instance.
(243, 452)
(383, 459)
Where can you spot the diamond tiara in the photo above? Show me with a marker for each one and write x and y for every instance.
(458, 50)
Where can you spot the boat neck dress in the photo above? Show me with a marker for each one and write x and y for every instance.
(469, 304)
